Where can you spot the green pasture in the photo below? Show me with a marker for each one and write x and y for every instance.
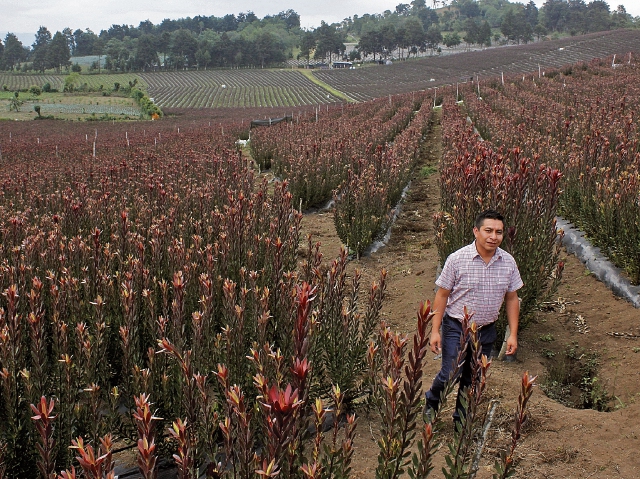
(68, 106)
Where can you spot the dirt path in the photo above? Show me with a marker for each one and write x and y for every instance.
(559, 442)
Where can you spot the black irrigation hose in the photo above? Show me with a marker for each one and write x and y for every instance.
(576, 243)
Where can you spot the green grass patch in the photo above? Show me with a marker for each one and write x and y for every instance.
(309, 74)
(427, 171)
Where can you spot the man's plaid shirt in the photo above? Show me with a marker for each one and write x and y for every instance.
(478, 286)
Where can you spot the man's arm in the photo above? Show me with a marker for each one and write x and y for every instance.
(512, 306)
(439, 305)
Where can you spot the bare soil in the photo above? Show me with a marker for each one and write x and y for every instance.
(586, 322)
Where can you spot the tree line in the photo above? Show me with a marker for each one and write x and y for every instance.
(415, 27)
(244, 40)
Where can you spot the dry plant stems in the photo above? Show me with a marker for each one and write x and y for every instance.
(400, 394)
(505, 466)
(44, 426)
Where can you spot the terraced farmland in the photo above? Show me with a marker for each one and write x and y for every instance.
(401, 77)
(233, 88)
(107, 80)
(15, 81)
(24, 81)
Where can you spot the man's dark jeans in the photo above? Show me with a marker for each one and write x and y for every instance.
(450, 333)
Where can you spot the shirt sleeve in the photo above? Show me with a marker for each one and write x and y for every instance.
(515, 282)
(447, 277)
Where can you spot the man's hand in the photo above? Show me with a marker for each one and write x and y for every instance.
(512, 344)
(436, 342)
(512, 305)
(439, 305)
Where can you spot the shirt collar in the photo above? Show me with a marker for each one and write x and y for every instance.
(496, 255)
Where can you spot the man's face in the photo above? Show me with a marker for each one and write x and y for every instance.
(489, 236)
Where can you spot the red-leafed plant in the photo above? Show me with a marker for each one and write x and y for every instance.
(44, 425)
(147, 454)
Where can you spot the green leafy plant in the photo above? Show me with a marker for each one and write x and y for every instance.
(15, 103)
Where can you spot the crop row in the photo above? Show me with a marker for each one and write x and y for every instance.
(94, 82)
(401, 77)
(356, 154)
(582, 120)
(98, 109)
(24, 82)
(233, 88)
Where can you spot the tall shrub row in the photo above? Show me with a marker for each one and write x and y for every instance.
(580, 119)
(361, 156)
(374, 185)
(315, 156)
(475, 175)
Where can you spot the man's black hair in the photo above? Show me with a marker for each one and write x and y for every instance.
(488, 215)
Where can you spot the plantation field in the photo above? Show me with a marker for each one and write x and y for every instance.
(286, 88)
(233, 88)
(558, 441)
(401, 77)
(93, 81)
(159, 286)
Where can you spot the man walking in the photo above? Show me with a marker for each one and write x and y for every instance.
(479, 276)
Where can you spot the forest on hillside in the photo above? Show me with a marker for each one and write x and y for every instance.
(244, 40)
